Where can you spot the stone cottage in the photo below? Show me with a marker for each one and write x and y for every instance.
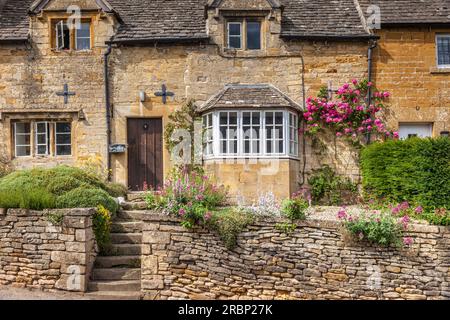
(84, 78)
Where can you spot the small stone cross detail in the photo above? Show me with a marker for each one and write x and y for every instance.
(65, 93)
(164, 93)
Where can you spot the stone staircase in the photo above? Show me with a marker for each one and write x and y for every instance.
(117, 276)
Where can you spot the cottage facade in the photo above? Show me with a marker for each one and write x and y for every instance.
(96, 78)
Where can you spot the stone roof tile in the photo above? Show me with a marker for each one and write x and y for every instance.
(249, 96)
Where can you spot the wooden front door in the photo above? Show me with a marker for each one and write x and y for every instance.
(145, 153)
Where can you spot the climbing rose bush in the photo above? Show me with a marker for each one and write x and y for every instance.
(348, 115)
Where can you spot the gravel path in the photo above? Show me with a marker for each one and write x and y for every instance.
(12, 293)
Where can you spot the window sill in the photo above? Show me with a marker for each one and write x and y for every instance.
(275, 157)
(442, 70)
(72, 52)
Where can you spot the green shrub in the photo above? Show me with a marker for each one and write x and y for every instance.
(189, 195)
(295, 208)
(34, 199)
(87, 198)
(56, 180)
(229, 223)
(414, 170)
(330, 189)
(375, 227)
(102, 229)
(116, 189)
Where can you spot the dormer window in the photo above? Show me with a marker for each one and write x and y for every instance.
(65, 38)
(244, 34)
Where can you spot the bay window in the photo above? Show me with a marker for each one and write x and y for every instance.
(248, 133)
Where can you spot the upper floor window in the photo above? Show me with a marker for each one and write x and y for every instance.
(244, 34)
(66, 37)
(443, 51)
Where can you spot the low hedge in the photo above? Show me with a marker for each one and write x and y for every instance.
(87, 198)
(414, 170)
(58, 187)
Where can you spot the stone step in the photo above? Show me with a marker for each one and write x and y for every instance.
(119, 238)
(131, 215)
(114, 295)
(137, 205)
(126, 227)
(116, 274)
(125, 249)
(122, 285)
(132, 261)
(136, 196)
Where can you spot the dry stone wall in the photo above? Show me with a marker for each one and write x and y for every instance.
(315, 262)
(37, 253)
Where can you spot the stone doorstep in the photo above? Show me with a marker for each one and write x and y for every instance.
(132, 261)
(122, 285)
(130, 238)
(136, 196)
(126, 226)
(134, 215)
(126, 249)
(116, 274)
(137, 205)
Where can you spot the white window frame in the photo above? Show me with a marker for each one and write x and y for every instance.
(229, 139)
(16, 134)
(240, 136)
(36, 140)
(76, 37)
(411, 125)
(208, 131)
(293, 134)
(241, 36)
(438, 36)
(62, 144)
(60, 35)
(275, 139)
(252, 140)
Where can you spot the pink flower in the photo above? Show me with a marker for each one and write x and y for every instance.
(342, 214)
(355, 82)
(182, 212)
(386, 94)
(338, 134)
(369, 84)
(404, 205)
(407, 241)
(405, 220)
(199, 197)
(396, 210)
(208, 216)
(418, 210)
(396, 135)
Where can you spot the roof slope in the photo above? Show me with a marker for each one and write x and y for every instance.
(321, 18)
(249, 96)
(14, 23)
(410, 11)
(181, 20)
(160, 19)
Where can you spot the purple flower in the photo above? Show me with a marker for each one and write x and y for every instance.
(407, 241)
(396, 210)
(182, 212)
